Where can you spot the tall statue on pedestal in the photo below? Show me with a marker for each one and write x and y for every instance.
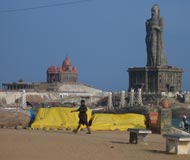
(157, 76)
(154, 39)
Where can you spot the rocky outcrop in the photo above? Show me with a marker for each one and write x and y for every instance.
(14, 118)
(180, 112)
(12, 97)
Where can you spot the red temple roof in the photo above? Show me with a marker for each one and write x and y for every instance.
(66, 67)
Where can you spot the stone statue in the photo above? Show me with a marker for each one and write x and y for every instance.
(154, 39)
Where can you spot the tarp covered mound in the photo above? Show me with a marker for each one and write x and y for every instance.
(117, 121)
(62, 118)
(14, 117)
(57, 118)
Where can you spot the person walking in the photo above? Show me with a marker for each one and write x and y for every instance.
(83, 119)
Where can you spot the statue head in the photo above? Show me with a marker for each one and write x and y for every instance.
(155, 11)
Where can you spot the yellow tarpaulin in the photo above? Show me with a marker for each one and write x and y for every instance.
(57, 118)
(117, 121)
(62, 118)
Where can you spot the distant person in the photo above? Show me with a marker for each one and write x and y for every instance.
(32, 117)
(184, 124)
(83, 119)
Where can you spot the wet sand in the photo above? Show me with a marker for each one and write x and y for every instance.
(100, 145)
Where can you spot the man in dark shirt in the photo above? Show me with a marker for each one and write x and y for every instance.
(82, 117)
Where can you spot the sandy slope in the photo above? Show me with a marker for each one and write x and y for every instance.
(100, 145)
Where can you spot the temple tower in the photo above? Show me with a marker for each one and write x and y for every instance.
(65, 73)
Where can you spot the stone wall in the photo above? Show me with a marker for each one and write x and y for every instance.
(14, 97)
(10, 97)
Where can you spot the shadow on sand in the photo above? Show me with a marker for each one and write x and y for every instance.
(119, 142)
(156, 151)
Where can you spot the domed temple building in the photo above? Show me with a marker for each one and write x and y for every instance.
(65, 73)
(62, 79)
(61, 84)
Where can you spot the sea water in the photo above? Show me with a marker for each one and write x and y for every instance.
(176, 121)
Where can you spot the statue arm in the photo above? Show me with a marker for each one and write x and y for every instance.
(157, 27)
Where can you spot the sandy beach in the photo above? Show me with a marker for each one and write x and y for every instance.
(100, 145)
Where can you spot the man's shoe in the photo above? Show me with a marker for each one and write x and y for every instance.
(74, 130)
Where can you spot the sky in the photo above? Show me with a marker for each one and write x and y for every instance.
(103, 38)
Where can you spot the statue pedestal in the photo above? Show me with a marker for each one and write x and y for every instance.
(155, 79)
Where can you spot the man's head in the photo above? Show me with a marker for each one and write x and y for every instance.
(184, 117)
(82, 102)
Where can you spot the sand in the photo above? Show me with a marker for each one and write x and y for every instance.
(26, 144)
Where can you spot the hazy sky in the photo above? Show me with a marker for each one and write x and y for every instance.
(103, 38)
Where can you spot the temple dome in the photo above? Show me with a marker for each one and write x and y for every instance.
(64, 73)
(66, 62)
